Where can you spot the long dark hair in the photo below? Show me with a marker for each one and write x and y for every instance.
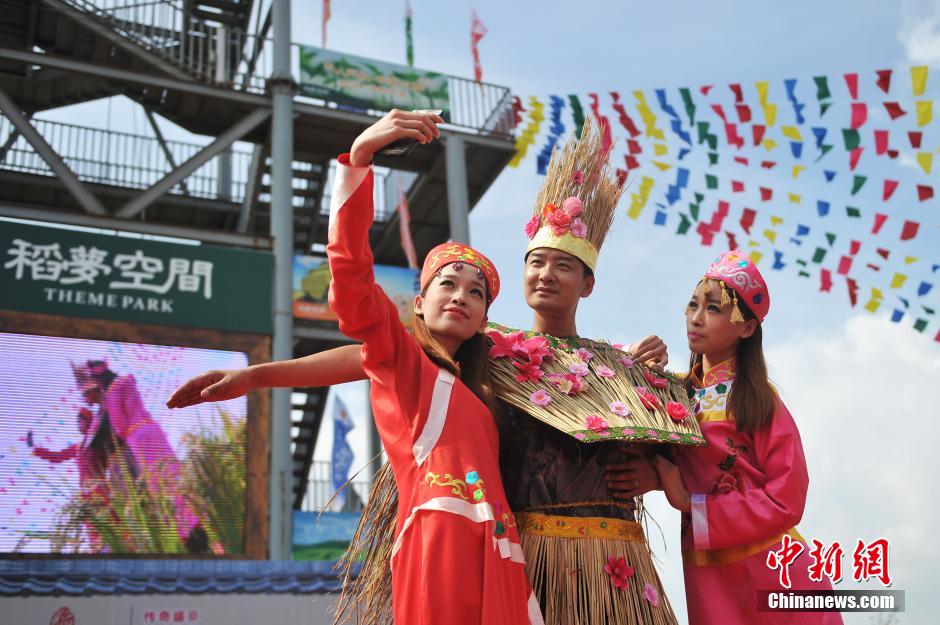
(471, 363)
(752, 399)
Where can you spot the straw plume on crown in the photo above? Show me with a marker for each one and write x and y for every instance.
(575, 206)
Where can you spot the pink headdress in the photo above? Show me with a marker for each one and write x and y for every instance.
(738, 272)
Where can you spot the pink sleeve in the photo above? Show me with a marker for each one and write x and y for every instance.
(739, 518)
(132, 404)
(56, 456)
(390, 355)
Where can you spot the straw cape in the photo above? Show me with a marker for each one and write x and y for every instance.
(592, 390)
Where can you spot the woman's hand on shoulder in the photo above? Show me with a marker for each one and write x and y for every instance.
(395, 125)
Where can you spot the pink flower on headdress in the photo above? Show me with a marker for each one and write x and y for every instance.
(528, 372)
(655, 380)
(503, 344)
(577, 176)
(540, 398)
(535, 349)
(627, 362)
(578, 228)
(583, 354)
(676, 411)
(579, 369)
(605, 372)
(649, 400)
(532, 226)
(560, 222)
(619, 408)
(619, 571)
(572, 206)
(651, 594)
(595, 423)
(617, 346)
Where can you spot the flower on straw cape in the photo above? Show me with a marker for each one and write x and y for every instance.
(503, 344)
(572, 206)
(567, 383)
(619, 571)
(579, 369)
(627, 362)
(676, 411)
(583, 354)
(596, 423)
(528, 372)
(649, 400)
(540, 398)
(655, 380)
(605, 372)
(651, 594)
(619, 408)
(535, 349)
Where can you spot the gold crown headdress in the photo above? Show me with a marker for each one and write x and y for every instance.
(575, 206)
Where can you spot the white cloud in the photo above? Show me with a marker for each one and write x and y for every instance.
(920, 34)
(862, 397)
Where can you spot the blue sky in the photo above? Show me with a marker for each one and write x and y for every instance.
(856, 383)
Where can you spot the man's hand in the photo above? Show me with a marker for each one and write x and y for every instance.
(651, 351)
(633, 476)
(212, 386)
(395, 125)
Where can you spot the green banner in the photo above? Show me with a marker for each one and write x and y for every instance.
(84, 274)
(370, 84)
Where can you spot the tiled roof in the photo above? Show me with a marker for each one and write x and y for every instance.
(107, 577)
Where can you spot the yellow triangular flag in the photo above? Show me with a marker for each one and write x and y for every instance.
(753, 244)
(762, 91)
(662, 166)
(791, 132)
(876, 293)
(925, 160)
(898, 280)
(660, 148)
(794, 198)
(755, 256)
(918, 79)
(771, 235)
(924, 112)
(797, 170)
(770, 114)
(873, 305)
(776, 221)
(769, 144)
(910, 259)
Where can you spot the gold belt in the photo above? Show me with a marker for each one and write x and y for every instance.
(579, 527)
(716, 557)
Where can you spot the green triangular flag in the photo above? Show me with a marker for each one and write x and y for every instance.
(577, 113)
(822, 88)
(713, 158)
(693, 210)
(711, 182)
(852, 138)
(851, 211)
(689, 104)
(831, 238)
(858, 183)
(804, 274)
(820, 254)
(824, 107)
(684, 225)
(920, 325)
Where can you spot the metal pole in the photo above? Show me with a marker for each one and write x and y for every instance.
(166, 149)
(71, 182)
(458, 202)
(224, 181)
(282, 231)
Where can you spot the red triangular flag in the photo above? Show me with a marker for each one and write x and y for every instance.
(888, 191)
(705, 89)
(909, 231)
(747, 219)
(883, 253)
(741, 159)
(825, 281)
(884, 80)
(707, 235)
(758, 130)
(916, 137)
(845, 265)
(851, 81)
(766, 194)
(853, 158)
(738, 93)
(737, 186)
(632, 163)
(924, 192)
(873, 266)
(853, 291)
(744, 113)
(859, 114)
(880, 219)
(731, 131)
(894, 110)
(881, 142)
(720, 112)
(767, 164)
(633, 147)
(854, 247)
(732, 241)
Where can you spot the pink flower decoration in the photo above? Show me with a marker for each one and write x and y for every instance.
(532, 226)
(584, 354)
(595, 423)
(535, 348)
(675, 437)
(627, 362)
(578, 228)
(655, 380)
(579, 369)
(540, 398)
(527, 372)
(629, 432)
(649, 400)
(619, 408)
(652, 433)
(676, 411)
(567, 383)
(651, 594)
(619, 571)
(577, 176)
(572, 206)
(580, 436)
(560, 222)
(503, 344)
(605, 372)
(618, 346)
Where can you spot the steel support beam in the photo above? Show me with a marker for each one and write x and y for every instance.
(166, 150)
(458, 201)
(8, 144)
(71, 182)
(249, 202)
(236, 132)
(282, 88)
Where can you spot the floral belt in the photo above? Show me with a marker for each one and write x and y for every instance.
(541, 524)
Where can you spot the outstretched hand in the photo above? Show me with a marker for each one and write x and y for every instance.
(211, 386)
(395, 125)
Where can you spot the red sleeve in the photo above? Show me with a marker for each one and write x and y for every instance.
(740, 518)
(390, 355)
(56, 456)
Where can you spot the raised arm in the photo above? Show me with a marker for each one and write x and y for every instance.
(333, 366)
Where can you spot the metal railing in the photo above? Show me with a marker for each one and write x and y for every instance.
(320, 490)
(231, 58)
(120, 159)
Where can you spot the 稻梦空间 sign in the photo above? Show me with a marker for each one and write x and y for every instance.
(369, 84)
(84, 274)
